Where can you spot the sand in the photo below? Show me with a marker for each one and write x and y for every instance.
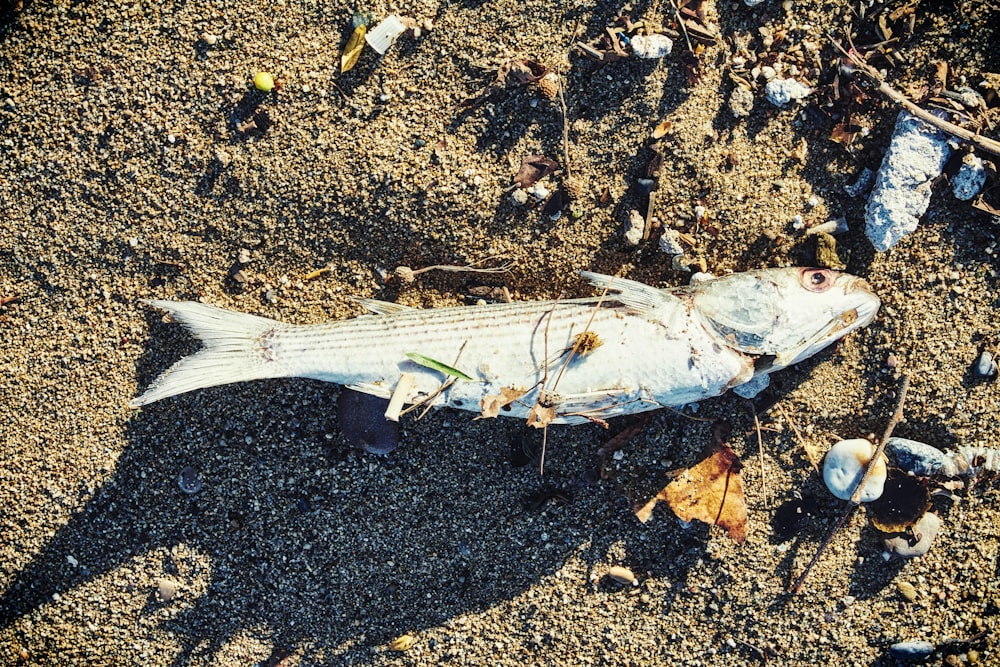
(128, 171)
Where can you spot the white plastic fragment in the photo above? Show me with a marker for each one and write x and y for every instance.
(752, 3)
(970, 179)
(780, 92)
(916, 155)
(651, 46)
(845, 466)
(382, 36)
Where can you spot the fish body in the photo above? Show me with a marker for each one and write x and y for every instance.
(634, 348)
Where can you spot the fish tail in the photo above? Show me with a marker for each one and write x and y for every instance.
(235, 350)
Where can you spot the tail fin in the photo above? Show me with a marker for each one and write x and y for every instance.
(231, 351)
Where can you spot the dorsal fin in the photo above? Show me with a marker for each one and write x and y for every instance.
(637, 296)
(382, 307)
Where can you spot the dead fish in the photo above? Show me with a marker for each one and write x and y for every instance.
(632, 349)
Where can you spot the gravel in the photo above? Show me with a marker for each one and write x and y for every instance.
(137, 161)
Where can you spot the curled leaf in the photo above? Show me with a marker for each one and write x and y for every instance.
(433, 364)
(541, 415)
(353, 49)
(492, 403)
(711, 491)
(533, 169)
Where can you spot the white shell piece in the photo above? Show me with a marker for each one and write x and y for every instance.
(845, 465)
(382, 36)
(970, 179)
(651, 46)
(780, 92)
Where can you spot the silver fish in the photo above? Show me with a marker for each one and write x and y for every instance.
(632, 349)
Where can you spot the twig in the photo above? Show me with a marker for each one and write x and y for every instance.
(981, 142)
(680, 22)
(760, 453)
(406, 274)
(852, 504)
(798, 436)
(565, 128)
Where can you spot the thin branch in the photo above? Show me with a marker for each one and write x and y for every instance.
(855, 501)
(979, 141)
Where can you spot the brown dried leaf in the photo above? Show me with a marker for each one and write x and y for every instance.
(492, 403)
(355, 45)
(711, 491)
(541, 415)
(533, 169)
(844, 134)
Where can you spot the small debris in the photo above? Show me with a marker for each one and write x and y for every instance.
(986, 366)
(670, 242)
(902, 503)
(970, 179)
(907, 590)
(384, 35)
(826, 252)
(402, 643)
(915, 457)
(916, 156)
(651, 46)
(911, 650)
(623, 575)
(189, 480)
(355, 45)
(264, 82)
(533, 169)
(845, 465)
(634, 228)
(741, 101)
(917, 541)
(832, 227)
(780, 92)
(166, 589)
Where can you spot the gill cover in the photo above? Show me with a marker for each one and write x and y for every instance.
(788, 314)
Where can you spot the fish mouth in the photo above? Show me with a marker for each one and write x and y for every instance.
(865, 306)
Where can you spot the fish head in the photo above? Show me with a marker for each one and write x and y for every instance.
(784, 315)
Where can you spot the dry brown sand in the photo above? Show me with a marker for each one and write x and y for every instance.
(123, 177)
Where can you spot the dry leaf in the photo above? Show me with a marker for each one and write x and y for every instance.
(711, 491)
(662, 129)
(541, 415)
(352, 51)
(492, 403)
(533, 169)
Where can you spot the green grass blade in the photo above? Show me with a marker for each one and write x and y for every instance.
(427, 362)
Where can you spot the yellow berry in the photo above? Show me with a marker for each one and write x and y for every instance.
(263, 82)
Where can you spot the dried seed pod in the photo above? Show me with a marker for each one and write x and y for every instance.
(549, 85)
(573, 187)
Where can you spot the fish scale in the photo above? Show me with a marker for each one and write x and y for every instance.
(649, 347)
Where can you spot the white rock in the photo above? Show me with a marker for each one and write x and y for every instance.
(780, 92)
(916, 155)
(845, 465)
(651, 46)
(861, 184)
(919, 543)
(670, 242)
(970, 179)
(752, 3)
(634, 228)
(741, 102)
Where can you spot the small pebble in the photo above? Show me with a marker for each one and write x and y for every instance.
(741, 102)
(986, 367)
(189, 480)
(670, 242)
(970, 179)
(263, 82)
(912, 650)
(166, 589)
(780, 92)
(623, 575)
(915, 457)
(519, 197)
(845, 466)
(907, 590)
(919, 543)
(634, 228)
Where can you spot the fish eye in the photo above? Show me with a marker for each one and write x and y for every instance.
(817, 280)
